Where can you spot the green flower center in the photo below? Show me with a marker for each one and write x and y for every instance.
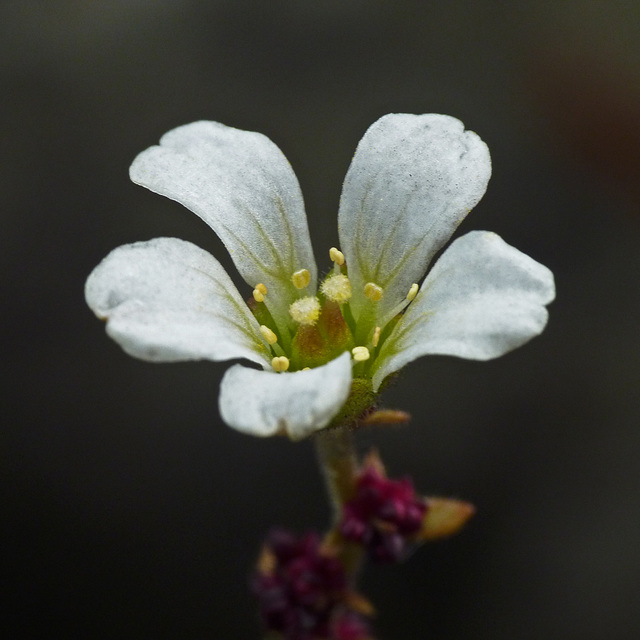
(323, 326)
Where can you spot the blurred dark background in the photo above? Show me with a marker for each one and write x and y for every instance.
(128, 509)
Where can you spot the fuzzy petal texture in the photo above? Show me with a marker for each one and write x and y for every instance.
(263, 403)
(243, 187)
(482, 299)
(413, 179)
(167, 300)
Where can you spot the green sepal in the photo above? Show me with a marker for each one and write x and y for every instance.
(361, 399)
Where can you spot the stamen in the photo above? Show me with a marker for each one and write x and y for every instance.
(259, 292)
(413, 292)
(360, 354)
(301, 279)
(268, 335)
(280, 363)
(305, 311)
(376, 336)
(337, 288)
(373, 291)
(336, 256)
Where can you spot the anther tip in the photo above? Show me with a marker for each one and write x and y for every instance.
(373, 291)
(280, 363)
(337, 288)
(259, 292)
(305, 311)
(413, 292)
(268, 334)
(336, 256)
(360, 354)
(301, 278)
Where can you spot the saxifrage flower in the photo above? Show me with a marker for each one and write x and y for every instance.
(324, 349)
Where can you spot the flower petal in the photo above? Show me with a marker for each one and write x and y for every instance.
(482, 299)
(242, 186)
(263, 403)
(167, 300)
(413, 179)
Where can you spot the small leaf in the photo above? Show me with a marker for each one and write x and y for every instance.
(266, 564)
(386, 416)
(444, 518)
(359, 604)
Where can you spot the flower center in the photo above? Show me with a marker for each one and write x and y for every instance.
(323, 326)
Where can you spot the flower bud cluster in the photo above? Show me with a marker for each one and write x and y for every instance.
(302, 591)
(350, 626)
(384, 516)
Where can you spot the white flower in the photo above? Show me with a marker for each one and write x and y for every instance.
(412, 181)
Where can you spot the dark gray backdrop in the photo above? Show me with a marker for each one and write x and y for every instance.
(129, 510)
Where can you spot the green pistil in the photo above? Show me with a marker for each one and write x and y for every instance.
(307, 348)
(334, 329)
(316, 345)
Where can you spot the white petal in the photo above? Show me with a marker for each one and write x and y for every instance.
(263, 403)
(482, 299)
(413, 179)
(167, 300)
(242, 186)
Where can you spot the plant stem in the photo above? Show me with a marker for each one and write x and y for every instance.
(339, 464)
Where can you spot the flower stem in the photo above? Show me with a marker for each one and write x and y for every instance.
(339, 463)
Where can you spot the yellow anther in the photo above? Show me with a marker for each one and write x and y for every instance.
(268, 335)
(306, 369)
(280, 363)
(376, 336)
(373, 291)
(402, 305)
(360, 354)
(259, 292)
(301, 278)
(305, 311)
(413, 292)
(337, 288)
(336, 255)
